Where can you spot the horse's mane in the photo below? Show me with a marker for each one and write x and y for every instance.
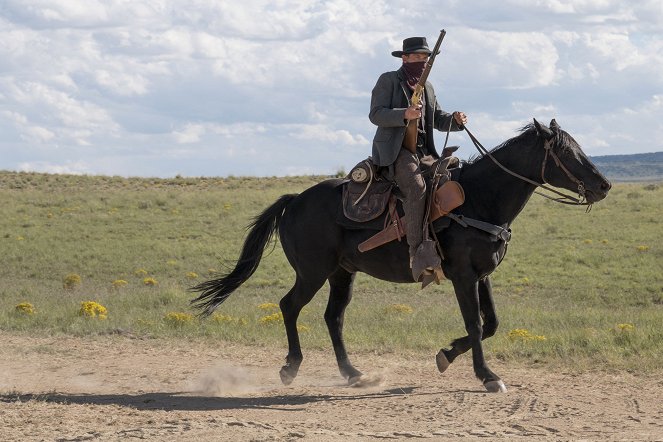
(562, 140)
(525, 131)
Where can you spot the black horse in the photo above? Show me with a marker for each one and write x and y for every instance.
(319, 249)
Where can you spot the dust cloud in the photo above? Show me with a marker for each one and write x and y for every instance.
(225, 379)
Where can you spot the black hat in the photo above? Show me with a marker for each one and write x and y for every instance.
(413, 45)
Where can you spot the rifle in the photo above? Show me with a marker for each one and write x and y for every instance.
(410, 141)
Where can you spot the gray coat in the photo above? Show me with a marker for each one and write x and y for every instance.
(389, 100)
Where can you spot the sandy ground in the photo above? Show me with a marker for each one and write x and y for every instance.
(121, 388)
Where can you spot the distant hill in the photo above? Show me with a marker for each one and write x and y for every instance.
(634, 167)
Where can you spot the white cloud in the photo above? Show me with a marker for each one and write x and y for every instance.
(503, 59)
(73, 168)
(193, 132)
(269, 87)
(44, 12)
(319, 132)
(189, 134)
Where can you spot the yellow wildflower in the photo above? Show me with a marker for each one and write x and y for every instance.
(642, 248)
(268, 306)
(91, 309)
(177, 319)
(192, 275)
(140, 272)
(274, 318)
(25, 308)
(626, 328)
(521, 334)
(399, 308)
(119, 283)
(71, 281)
(150, 281)
(219, 317)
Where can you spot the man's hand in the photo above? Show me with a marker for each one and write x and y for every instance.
(413, 112)
(461, 118)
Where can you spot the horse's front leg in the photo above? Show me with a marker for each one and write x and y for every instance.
(475, 301)
(487, 308)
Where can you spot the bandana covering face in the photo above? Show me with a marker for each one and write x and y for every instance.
(413, 72)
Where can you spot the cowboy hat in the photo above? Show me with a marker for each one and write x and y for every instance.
(413, 45)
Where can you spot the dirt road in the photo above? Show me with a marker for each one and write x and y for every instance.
(117, 388)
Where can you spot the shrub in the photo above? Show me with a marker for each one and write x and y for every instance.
(221, 318)
(119, 283)
(150, 281)
(268, 306)
(625, 328)
(521, 334)
(274, 318)
(91, 309)
(71, 281)
(25, 308)
(399, 308)
(177, 319)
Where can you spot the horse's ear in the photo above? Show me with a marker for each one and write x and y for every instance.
(543, 130)
(554, 126)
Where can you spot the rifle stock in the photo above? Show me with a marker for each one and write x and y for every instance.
(410, 140)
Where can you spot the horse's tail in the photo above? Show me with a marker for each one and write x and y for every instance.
(263, 226)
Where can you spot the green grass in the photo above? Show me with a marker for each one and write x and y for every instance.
(569, 276)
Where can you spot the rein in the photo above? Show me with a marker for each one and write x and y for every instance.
(547, 144)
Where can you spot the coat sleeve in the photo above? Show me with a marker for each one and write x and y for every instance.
(382, 114)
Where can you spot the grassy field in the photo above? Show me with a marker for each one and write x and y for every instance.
(578, 290)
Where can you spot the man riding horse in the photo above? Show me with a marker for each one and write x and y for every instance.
(392, 111)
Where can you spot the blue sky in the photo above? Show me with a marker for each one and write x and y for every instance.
(282, 87)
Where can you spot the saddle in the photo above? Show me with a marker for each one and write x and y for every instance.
(367, 195)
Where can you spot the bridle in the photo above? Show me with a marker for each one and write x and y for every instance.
(547, 144)
(581, 200)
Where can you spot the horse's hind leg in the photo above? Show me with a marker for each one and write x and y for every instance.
(340, 294)
(291, 305)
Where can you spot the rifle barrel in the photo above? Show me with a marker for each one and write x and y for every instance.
(431, 60)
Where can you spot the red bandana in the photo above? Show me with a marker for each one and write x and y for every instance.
(413, 72)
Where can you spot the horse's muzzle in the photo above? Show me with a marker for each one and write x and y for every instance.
(600, 192)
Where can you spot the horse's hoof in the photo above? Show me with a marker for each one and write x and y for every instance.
(363, 381)
(286, 377)
(442, 361)
(495, 386)
(354, 380)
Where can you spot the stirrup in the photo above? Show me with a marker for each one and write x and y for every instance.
(426, 264)
(431, 275)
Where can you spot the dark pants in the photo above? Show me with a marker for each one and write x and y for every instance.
(407, 175)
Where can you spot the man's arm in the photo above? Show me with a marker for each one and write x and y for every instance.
(382, 114)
